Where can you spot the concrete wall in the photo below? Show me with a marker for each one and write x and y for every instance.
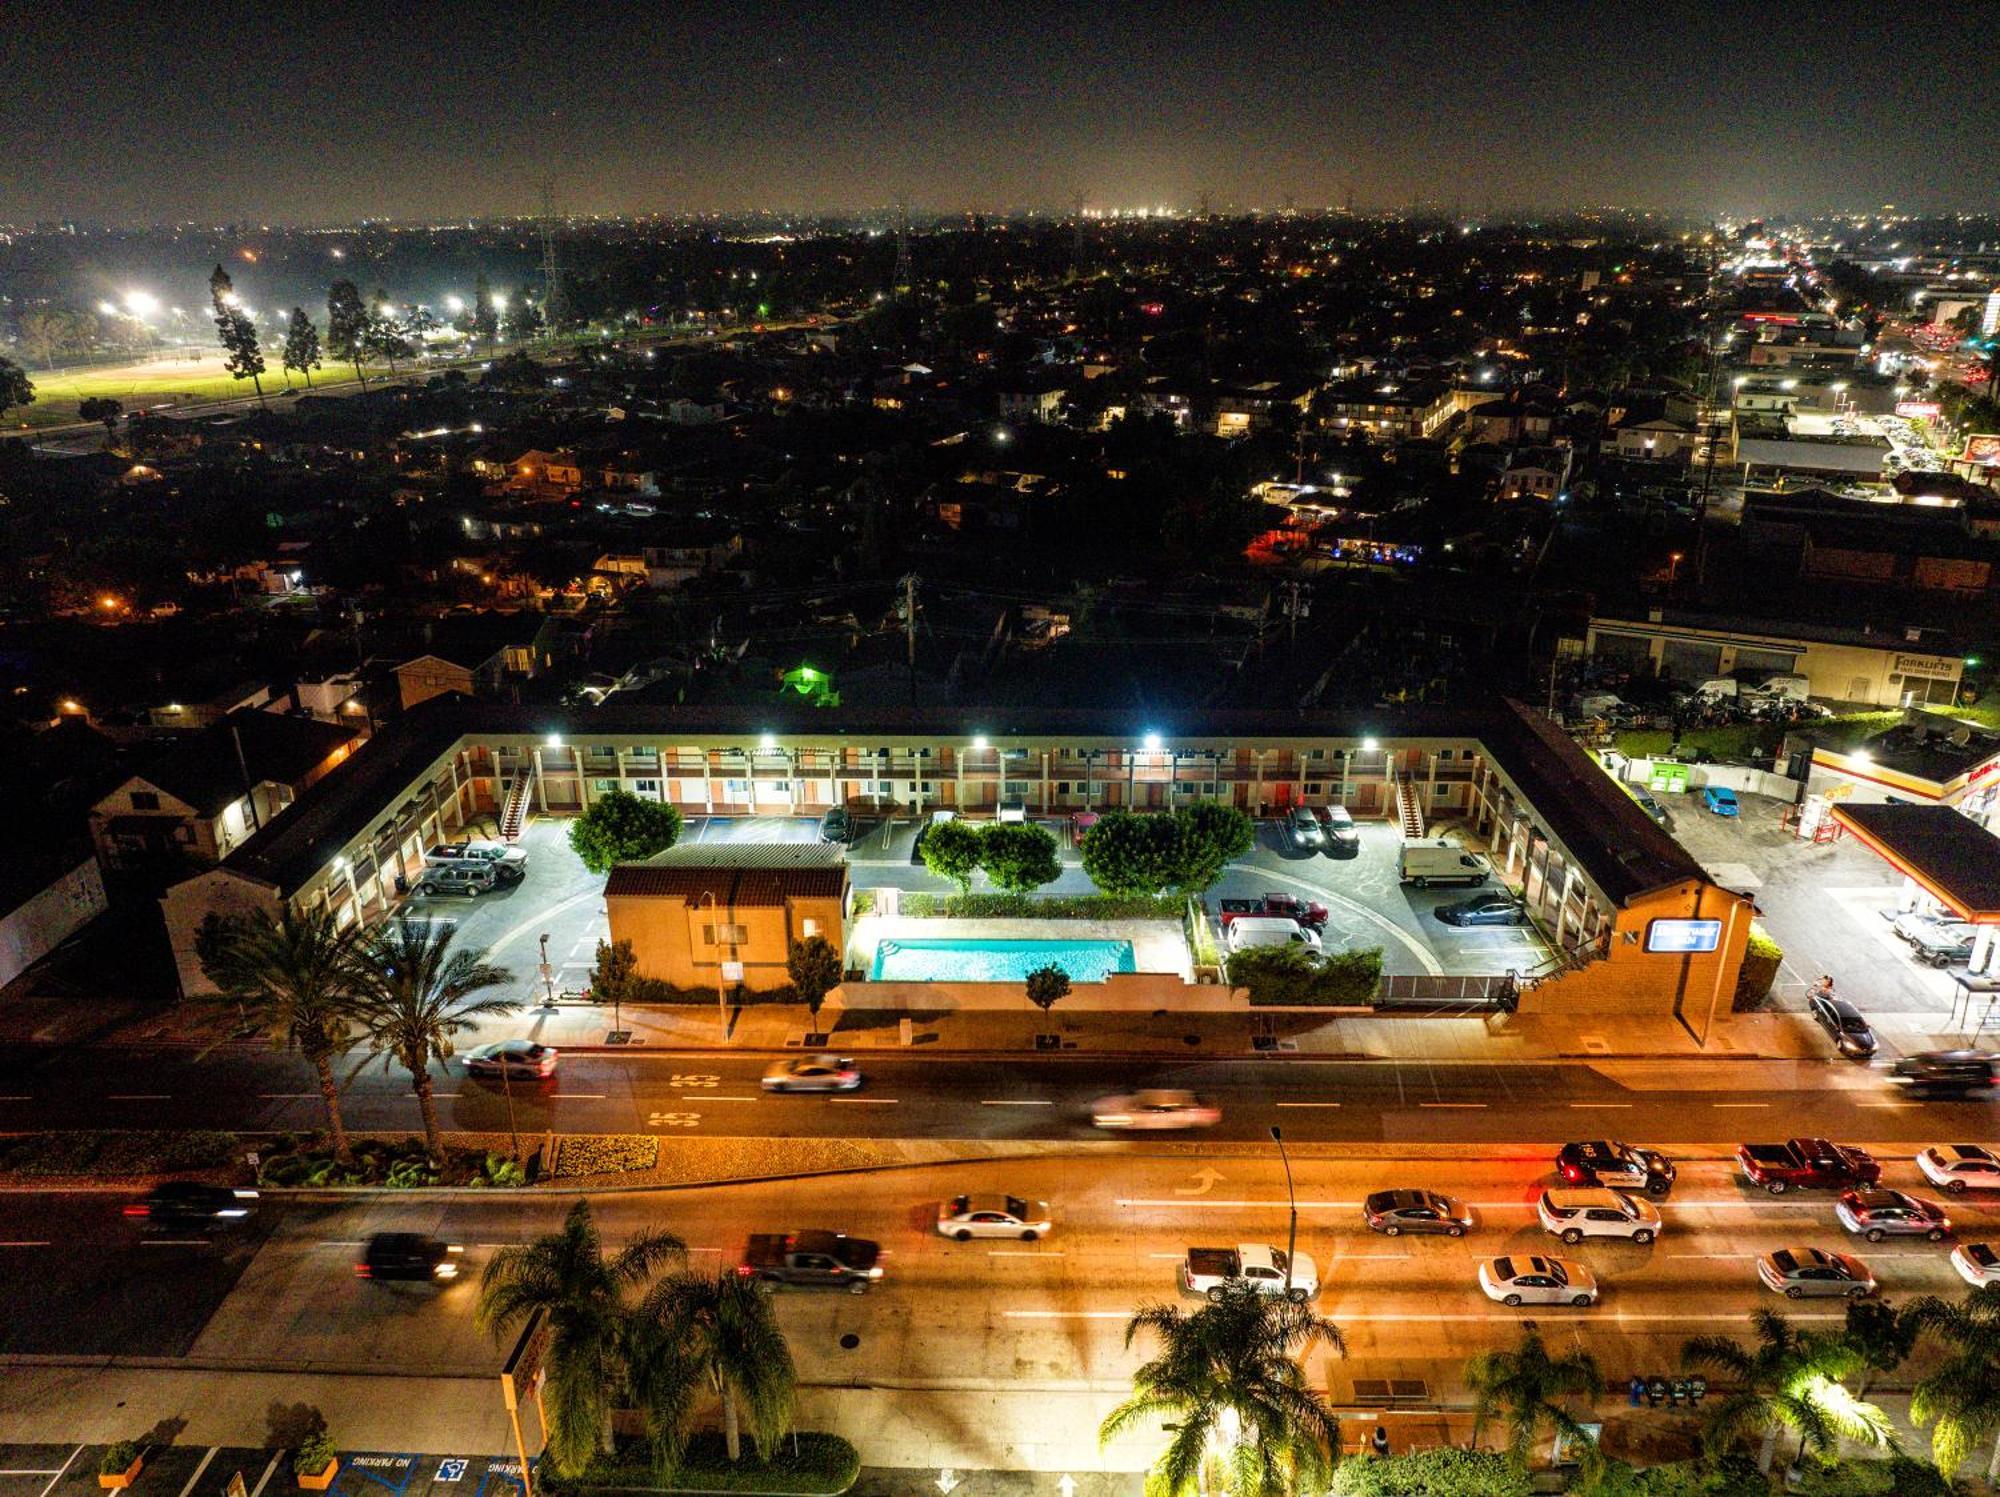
(1121, 992)
(42, 922)
(192, 901)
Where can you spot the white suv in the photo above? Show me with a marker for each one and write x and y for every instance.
(1574, 1215)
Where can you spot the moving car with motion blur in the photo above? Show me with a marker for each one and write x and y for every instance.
(815, 1260)
(409, 1256)
(812, 1073)
(963, 1218)
(1158, 1110)
(192, 1206)
(512, 1060)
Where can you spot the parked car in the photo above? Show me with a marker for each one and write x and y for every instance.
(1876, 1214)
(1651, 807)
(1248, 931)
(836, 825)
(1304, 827)
(1945, 1071)
(821, 1260)
(1844, 1025)
(457, 880)
(1342, 836)
(1154, 1111)
(1394, 1212)
(966, 1217)
(1806, 1164)
(1309, 913)
(1484, 909)
(1574, 1215)
(481, 850)
(1424, 863)
(1538, 1281)
(1957, 1168)
(1720, 799)
(1211, 1272)
(1936, 941)
(1977, 1263)
(191, 1206)
(408, 1255)
(515, 1060)
(1812, 1273)
(1620, 1166)
(812, 1073)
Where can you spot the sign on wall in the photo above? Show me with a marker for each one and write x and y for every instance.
(1984, 450)
(1665, 777)
(1683, 937)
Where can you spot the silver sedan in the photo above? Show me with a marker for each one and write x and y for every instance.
(963, 1218)
(817, 1073)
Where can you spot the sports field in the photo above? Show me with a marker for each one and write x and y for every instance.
(178, 380)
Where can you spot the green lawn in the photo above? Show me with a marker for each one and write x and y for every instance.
(56, 395)
(1754, 740)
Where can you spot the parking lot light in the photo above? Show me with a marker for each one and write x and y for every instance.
(1370, 745)
(1152, 741)
(554, 741)
(979, 744)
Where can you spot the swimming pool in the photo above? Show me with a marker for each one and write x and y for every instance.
(997, 961)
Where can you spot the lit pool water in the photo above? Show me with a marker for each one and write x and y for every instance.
(997, 961)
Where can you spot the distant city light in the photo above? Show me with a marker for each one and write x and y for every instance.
(499, 301)
(454, 305)
(142, 303)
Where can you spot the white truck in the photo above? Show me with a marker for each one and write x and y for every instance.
(1270, 930)
(1424, 863)
(1211, 1272)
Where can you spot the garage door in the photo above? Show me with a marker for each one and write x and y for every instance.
(1766, 660)
(1688, 661)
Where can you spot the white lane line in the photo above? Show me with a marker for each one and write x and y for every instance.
(1882, 1104)
(139, 1097)
(23, 1244)
(175, 1242)
(1714, 1255)
(705, 1097)
(1024, 1102)
(286, 1096)
(1467, 1105)
(578, 1096)
(1600, 1105)
(1581, 1320)
(1308, 1104)
(1184, 1203)
(1739, 1104)
(16, 1099)
(867, 1101)
(1170, 1257)
(1018, 1253)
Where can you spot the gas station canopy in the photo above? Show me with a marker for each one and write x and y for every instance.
(1942, 850)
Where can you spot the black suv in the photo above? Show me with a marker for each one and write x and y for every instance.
(1946, 1070)
(190, 1206)
(1619, 1166)
(407, 1255)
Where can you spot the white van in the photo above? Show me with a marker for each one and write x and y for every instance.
(1718, 689)
(1427, 863)
(1270, 930)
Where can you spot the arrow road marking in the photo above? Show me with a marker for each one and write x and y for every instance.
(1204, 1182)
(947, 1479)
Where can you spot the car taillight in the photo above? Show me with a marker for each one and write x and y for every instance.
(744, 1270)
(363, 1271)
(139, 1210)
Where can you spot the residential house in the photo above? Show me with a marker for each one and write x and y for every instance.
(1387, 410)
(1535, 473)
(473, 654)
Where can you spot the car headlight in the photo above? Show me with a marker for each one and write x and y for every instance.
(446, 1270)
(874, 1273)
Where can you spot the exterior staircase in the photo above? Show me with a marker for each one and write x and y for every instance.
(1409, 808)
(514, 808)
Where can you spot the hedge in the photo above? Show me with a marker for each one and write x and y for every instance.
(1441, 1472)
(809, 1463)
(103, 1151)
(1000, 906)
(1898, 1476)
(603, 1154)
(1761, 957)
(1291, 977)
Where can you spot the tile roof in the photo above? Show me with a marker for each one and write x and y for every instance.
(733, 886)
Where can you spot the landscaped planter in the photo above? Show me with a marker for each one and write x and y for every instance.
(319, 1481)
(113, 1480)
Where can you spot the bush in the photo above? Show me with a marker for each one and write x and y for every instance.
(119, 1457)
(1761, 956)
(315, 1451)
(1898, 1476)
(1019, 856)
(100, 1151)
(1290, 976)
(808, 1463)
(951, 850)
(603, 1154)
(619, 827)
(400, 1164)
(1442, 1472)
(1042, 906)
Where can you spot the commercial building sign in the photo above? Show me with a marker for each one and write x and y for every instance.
(1683, 937)
(1913, 410)
(1984, 450)
(1937, 667)
(1665, 777)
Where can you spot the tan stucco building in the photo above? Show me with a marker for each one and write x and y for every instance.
(699, 914)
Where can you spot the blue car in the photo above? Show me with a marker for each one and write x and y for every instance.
(1720, 799)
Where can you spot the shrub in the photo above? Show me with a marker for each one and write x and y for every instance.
(119, 1457)
(315, 1452)
(603, 1154)
(101, 1151)
(619, 827)
(1442, 1472)
(985, 906)
(808, 1462)
(1290, 976)
(1761, 956)
(498, 1169)
(1019, 856)
(1898, 1476)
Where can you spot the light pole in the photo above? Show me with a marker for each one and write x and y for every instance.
(1292, 1233)
(715, 929)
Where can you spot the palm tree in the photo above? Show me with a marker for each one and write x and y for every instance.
(1960, 1397)
(418, 994)
(1791, 1380)
(697, 1331)
(1230, 1375)
(1525, 1387)
(297, 979)
(586, 1298)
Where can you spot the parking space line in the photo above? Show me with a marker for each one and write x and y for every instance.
(199, 1469)
(258, 1490)
(59, 1475)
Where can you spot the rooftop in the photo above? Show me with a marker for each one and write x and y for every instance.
(735, 874)
(1952, 856)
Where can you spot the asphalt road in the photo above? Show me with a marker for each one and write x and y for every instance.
(909, 1094)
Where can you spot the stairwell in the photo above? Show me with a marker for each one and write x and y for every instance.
(1409, 808)
(514, 809)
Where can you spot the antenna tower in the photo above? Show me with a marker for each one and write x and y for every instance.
(555, 302)
(900, 280)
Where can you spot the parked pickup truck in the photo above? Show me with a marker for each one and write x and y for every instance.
(1807, 1164)
(817, 1259)
(1311, 916)
(1210, 1271)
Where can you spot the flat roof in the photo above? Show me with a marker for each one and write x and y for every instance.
(1949, 854)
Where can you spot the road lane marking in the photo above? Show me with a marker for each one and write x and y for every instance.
(1025, 1102)
(1018, 1253)
(1170, 1257)
(1469, 1105)
(1881, 1104)
(285, 1096)
(1626, 1105)
(1308, 1104)
(23, 1244)
(16, 1099)
(139, 1097)
(1184, 1202)
(578, 1096)
(175, 1242)
(867, 1101)
(718, 1097)
(1739, 1104)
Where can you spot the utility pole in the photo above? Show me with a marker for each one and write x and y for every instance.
(899, 280)
(1298, 605)
(555, 304)
(910, 630)
(1292, 1236)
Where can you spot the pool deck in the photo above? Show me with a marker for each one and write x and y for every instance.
(1157, 945)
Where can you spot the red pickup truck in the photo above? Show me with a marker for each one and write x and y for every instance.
(1807, 1164)
(1288, 906)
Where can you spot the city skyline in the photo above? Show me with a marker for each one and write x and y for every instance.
(309, 117)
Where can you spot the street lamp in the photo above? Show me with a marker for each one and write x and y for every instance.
(715, 929)
(1673, 567)
(1292, 1235)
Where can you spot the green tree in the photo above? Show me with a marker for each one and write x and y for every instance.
(1126, 853)
(1528, 1390)
(384, 336)
(1019, 856)
(619, 827)
(485, 315)
(302, 345)
(1211, 838)
(1790, 1380)
(243, 356)
(347, 326)
(715, 1334)
(612, 973)
(1880, 1336)
(815, 970)
(1230, 1376)
(586, 1298)
(951, 850)
(524, 319)
(1047, 986)
(418, 995)
(297, 979)
(49, 332)
(15, 386)
(1959, 1398)
(104, 409)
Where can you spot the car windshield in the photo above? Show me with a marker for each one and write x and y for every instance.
(1556, 1272)
(959, 1205)
(1853, 1024)
(1017, 1208)
(1503, 1269)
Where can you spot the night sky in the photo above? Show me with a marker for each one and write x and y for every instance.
(304, 111)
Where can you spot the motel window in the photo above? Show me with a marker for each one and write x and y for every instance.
(1062, 787)
(1315, 753)
(1440, 792)
(781, 787)
(184, 833)
(602, 786)
(651, 787)
(603, 751)
(145, 800)
(737, 789)
(1313, 787)
(733, 935)
(1015, 788)
(810, 928)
